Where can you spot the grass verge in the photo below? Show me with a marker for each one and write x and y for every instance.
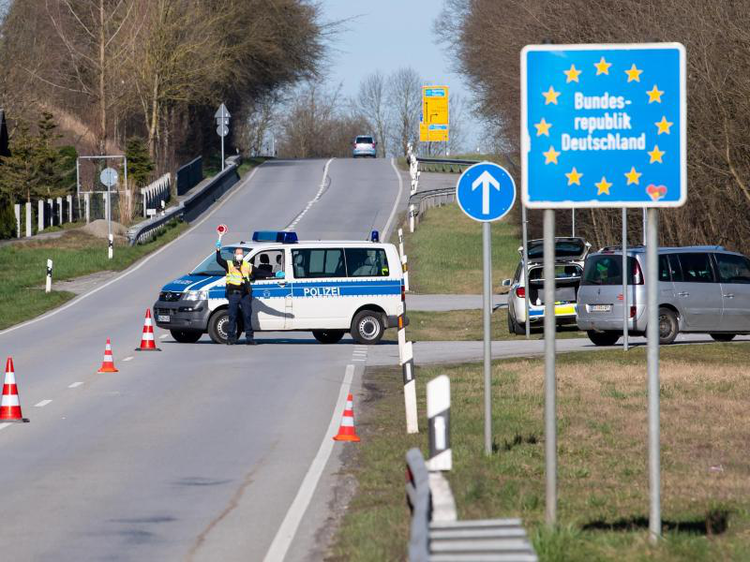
(603, 482)
(74, 254)
(466, 325)
(445, 253)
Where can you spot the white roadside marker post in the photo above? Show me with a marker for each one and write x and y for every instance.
(410, 390)
(400, 241)
(405, 266)
(110, 246)
(48, 286)
(438, 413)
(412, 217)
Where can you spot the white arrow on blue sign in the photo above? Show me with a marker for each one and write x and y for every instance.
(486, 192)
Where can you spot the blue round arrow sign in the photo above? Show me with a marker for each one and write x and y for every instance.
(486, 192)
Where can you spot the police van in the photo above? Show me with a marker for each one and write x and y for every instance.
(327, 287)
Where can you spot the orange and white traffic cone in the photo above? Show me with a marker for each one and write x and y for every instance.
(108, 365)
(147, 339)
(347, 432)
(10, 405)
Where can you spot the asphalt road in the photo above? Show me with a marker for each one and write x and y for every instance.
(196, 452)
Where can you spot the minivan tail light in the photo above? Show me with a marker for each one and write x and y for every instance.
(403, 292)
(521, 292)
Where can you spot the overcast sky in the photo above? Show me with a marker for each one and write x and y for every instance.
(388, 34)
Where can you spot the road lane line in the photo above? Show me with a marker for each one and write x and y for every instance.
(128, 358)
(4, 425)
(241, 184)
(75, 384)
(285, 535)
(314, 200)
(42, 404)
(387, 226)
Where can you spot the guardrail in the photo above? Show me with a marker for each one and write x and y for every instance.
(420, 201)
(444, 165)
(190, 207)
(418, 497)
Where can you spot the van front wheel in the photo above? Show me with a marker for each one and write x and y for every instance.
(328, 336)
(368, 327)
(186, 336)
(603, 338)
(218, 326)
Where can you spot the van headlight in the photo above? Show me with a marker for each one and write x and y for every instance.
(196, 296)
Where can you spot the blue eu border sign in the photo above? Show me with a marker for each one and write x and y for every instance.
(603, 125)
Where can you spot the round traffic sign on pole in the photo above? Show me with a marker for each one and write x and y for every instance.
(221, 230)
(108, 177)
(222, 130)
(485, 192)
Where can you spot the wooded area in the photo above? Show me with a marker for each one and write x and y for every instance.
(101, 72)
(486, 37)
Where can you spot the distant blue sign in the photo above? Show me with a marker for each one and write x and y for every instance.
(434, 92)
(486, 192)
(603, 125)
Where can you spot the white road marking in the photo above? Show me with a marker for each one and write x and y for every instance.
(285, 535)
(128, 358)
(4, 425)
(137, 266)
(75, 384)
(387, 226)
(42, 404)
(363, 359)
(314, 200)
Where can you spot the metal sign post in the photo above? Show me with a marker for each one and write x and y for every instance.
(222, 128)
(604, 126)
(486, 192)
(109, 178)
(525, 241)
(625, 274)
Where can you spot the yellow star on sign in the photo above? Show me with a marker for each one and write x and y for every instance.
(542, 128)
(603, 186)
(574, 177)
(663, 125)
(550, 96)
(602, 67)
(572, 73)
(633, 176)
(656, 155)
(654, 95)
(633, 74)
(551, 155)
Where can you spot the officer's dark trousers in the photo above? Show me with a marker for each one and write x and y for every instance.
(240, 301)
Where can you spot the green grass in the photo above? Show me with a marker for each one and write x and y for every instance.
(603, 483)
(466, 325)
(445, 252)
(74, 254)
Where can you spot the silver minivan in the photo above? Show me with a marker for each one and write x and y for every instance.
(704, 289)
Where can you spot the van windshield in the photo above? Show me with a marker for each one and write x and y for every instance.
(607, 270)
(209, 266)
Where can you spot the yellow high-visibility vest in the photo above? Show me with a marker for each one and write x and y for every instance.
(236, 276)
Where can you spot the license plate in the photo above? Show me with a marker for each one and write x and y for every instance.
(163, 318)
(601, 308)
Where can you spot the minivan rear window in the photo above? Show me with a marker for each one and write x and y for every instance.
(607, 270)
(363, 140)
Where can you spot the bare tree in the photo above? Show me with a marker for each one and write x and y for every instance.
(371, 102)
(405, 99)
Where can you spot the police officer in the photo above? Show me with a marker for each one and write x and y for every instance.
(239, 292)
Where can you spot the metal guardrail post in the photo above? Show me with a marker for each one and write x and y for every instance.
(418, 492)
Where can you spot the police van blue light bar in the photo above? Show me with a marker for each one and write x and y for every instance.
(282, 236)
(375, 236)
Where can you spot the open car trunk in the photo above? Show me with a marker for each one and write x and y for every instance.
(567, 281)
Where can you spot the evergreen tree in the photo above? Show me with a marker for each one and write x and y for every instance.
(140, 165)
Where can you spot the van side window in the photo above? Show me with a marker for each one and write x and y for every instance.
(696, 268)
(674, 266)
(664, 273)
(733, 269)
(314, 263)
(366, 262)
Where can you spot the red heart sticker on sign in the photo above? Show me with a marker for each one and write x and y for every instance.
(222, 229)
(656, 192)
